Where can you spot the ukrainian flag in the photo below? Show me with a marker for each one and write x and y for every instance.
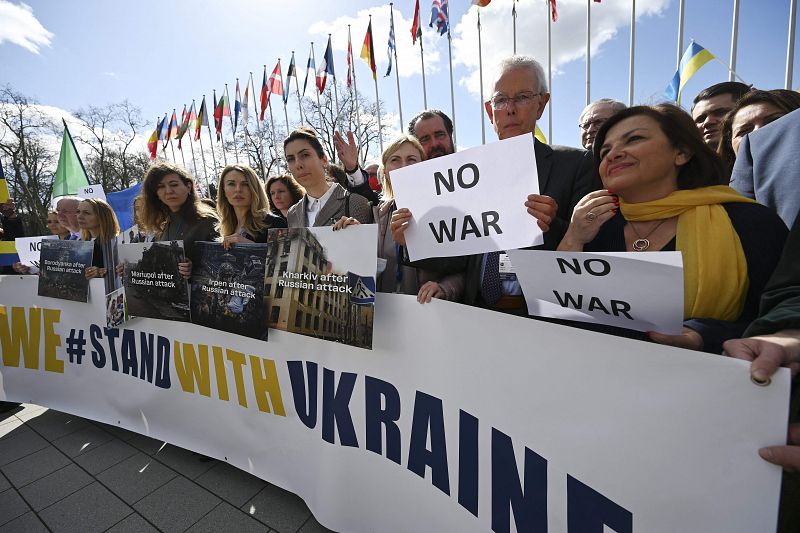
(695, 57)
(8, 253)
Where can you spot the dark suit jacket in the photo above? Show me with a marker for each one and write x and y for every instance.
(767, 167)
(566, 175)
(336, 207)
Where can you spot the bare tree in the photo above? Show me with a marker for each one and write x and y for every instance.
(28, 158)
(356, 114)
(109, 132)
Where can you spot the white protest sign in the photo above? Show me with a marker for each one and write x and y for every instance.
(92, 191)
(28, 249)
(643, 292)
(470, 202)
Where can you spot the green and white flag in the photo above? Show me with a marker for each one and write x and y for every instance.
(70, 174)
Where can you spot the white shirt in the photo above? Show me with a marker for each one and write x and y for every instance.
(314, 205)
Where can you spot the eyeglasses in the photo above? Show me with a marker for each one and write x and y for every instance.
(592, 123)
(500, 101)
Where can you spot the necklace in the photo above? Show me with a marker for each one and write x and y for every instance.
(643, 243)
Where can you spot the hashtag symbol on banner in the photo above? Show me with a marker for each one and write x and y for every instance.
(75, 346)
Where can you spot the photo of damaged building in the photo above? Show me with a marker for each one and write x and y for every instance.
(309, 295)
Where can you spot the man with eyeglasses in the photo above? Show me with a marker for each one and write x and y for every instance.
(565, 176)
(67, 210)
(595, 115)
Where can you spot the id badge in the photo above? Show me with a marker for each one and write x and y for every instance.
(506, 268)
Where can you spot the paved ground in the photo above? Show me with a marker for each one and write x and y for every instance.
(60, 472)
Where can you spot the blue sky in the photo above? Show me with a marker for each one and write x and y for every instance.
(160, 55)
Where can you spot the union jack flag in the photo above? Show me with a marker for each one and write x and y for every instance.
(440, 17)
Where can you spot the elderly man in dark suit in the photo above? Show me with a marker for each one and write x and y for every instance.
(566, 175)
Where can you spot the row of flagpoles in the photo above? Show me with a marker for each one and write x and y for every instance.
(688, 62)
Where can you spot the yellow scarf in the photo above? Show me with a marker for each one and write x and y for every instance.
(714, 266)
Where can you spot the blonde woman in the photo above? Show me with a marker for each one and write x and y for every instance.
(243, 207)
(396, 277)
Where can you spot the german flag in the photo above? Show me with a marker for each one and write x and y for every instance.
(368, 51)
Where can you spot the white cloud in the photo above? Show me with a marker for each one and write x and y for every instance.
(408, 55)
(568, 33)
(19, 26)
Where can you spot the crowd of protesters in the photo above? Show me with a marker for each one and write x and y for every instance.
(720, 184)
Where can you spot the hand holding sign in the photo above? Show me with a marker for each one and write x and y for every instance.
(472, 202)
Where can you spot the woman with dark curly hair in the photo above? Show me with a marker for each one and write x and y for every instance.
(172, 210)
(663, 193)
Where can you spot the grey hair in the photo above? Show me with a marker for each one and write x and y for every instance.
(523, 62)
(616, 105)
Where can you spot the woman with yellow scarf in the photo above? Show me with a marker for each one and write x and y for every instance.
(663, 192)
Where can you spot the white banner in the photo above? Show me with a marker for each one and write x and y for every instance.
(29, 249)
(643, 292)
(472, 201)
(460, 419)
(92, 191)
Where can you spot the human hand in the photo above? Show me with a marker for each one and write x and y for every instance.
(19, 268)
(347, 150)
(94, 272)
(400, 221)
(786, 456)
(689, 339)
(344, 222)
(8, 209)
(428, 291)
(767, 352)
(590, 213)
(230, 240)
(543, 209)
(120, 268)
(185, 269)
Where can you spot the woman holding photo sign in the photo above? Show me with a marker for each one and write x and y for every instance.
(97, 222)
(325, 203)
(663, 193)
(394, 276)
(172, 211)
(243, 207)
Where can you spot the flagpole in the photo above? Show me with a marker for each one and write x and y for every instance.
(396, 69)
(211, 141)
(191, 148)
(297, 89)
(202, 153)
(514, 23)
(272, 125)
(233, 128)
(790, 46)
(452, 93)
(258, 130)
(245, 107)
(285, 114)
(549, 70)
(221, 138)
(422, 62)
(335, 90)
(633, 48)
(183, 159)
(355, 86)
(588, 51)
(319, 105)
(734, 38)
(375, 79)
(480, 75)
(680, 35)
